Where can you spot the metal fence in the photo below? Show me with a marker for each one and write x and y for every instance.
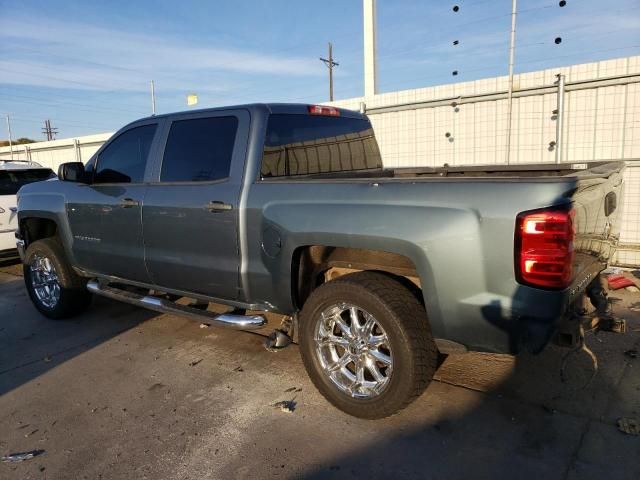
(596, 118)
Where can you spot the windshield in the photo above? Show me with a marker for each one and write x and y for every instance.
(12, 180)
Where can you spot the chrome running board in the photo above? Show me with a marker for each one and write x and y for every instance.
(227, 320)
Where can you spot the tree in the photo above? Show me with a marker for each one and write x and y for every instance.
(19, 141)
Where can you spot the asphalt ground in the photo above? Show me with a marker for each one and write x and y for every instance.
(125, 393)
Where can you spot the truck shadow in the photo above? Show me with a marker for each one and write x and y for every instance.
(498, 416)
(31, 344)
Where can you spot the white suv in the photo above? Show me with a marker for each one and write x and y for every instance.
(13, 175)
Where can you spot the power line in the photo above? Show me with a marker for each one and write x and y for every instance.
(76, 105)
(28, 118)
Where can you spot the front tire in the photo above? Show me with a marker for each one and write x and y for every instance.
(366, 344)
(54, 288)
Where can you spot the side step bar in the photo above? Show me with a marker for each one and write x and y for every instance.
(238, 322)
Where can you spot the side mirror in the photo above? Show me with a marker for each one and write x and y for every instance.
(72, 172)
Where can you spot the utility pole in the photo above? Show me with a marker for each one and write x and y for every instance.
(49, 131)
(330, 64)
(512, 53)
(10, 139)
(153, 99)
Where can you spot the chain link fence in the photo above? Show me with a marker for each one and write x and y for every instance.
(596, 118)
(466, 124)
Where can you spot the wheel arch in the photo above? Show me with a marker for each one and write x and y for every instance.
(37, 228)
(313, 265)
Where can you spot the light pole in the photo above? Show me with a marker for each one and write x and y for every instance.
(153, 99)
(370, 67)
(512, 53)
(10, 139)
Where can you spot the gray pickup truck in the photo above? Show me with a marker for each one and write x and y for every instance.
(287, 208)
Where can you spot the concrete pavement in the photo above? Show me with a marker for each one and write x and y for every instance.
(127, 393)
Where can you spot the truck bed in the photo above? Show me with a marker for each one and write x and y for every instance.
(519, 172)
(456, 225)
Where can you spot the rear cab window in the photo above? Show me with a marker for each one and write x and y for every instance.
(12, 180)
(298, 144)
(199, 149)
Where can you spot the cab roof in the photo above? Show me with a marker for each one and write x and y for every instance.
(265, 108)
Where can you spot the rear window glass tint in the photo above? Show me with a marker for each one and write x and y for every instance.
(312, 144)
(12, 180)
(199, 150)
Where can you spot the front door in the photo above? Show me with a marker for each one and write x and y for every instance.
(190, 214)
(106, 216)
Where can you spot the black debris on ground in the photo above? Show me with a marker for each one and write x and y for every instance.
(287, 406)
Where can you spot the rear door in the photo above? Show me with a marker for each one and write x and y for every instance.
(10, 182)
(106, 216)
(190, 213)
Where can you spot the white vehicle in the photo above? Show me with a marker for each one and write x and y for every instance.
(14, 175)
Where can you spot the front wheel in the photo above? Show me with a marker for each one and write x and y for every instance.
(55, 289)
(366, 344)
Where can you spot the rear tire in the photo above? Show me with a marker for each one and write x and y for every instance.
(378, 364)
(55, 289)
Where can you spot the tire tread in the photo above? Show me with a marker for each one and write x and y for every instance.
(399, 300)
(74, 298)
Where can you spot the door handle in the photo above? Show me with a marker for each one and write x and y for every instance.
(217, 206)
(129, 202)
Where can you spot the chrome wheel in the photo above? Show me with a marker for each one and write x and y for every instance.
(353, 350)
(44, 281)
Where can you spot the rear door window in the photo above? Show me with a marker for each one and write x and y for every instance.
(311, 144)
(125, 158)
(199, 150)
(12, 180)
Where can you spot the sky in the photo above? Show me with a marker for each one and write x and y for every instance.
(87, 65)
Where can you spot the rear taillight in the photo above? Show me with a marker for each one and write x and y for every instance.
(544, 248)
(323, 110)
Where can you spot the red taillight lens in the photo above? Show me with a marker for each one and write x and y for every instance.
(544, 248)
(323, 110)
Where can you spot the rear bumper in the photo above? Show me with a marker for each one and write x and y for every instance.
(20, 245)
(527, 320)
(7, 239)
(538, 325)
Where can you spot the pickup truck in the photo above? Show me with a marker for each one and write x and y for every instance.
(287, 208)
